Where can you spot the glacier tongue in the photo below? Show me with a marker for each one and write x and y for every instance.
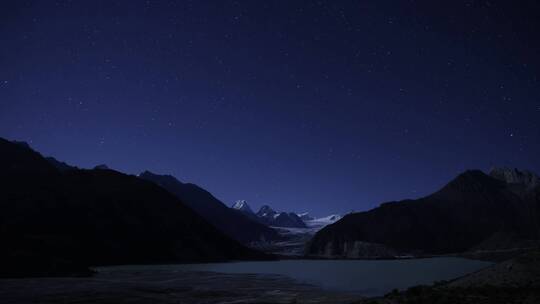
(296, 238)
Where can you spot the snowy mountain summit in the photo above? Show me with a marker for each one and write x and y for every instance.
(243, 206)
(266, 211)
(269, 217)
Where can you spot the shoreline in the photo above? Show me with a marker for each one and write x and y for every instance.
(155, 286)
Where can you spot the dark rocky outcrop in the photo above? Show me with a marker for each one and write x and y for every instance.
(469, 211)
(513, 176)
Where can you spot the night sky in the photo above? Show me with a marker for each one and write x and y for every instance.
(316, 106)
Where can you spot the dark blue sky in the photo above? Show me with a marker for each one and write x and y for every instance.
(307, 106)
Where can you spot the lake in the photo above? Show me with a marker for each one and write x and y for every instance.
(366, 277)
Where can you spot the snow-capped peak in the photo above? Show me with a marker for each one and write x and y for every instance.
(266, 211)
(242, 205)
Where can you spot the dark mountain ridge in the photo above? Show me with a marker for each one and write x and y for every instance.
(467, 211)
(57, 222)
(59, 165)
(236, 225)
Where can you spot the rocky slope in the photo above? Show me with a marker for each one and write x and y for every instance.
(515, 281)
(522, 271)
(234, 224)
(514, 176)
(56, 222)
(468, 211)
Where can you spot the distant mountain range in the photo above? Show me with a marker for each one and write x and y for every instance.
(236, 225)
(295, 229)
(267, 216)
(56, 219)
(59, 220)
(475, 211)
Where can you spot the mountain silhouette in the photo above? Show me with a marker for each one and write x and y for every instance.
(234, 224)
(56, 222)
(471, 209)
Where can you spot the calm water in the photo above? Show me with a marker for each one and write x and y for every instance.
(362, 276)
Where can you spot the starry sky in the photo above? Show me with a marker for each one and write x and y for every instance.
(320, 106)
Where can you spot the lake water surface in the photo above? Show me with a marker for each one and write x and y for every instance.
(367, 277)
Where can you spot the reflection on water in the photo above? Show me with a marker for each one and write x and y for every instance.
(368, 277)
